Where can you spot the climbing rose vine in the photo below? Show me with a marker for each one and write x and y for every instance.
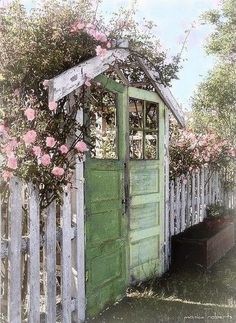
(40, 140)
(189, 151)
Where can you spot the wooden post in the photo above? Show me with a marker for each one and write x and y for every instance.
(188, 212)
(193, 218)
(183, 204)
(34, 259)
(51, 262)
(14, 255)
(66, 258)
(172, 212)
(198, 196)
(177, 204)
(0, 252)
(202, 184)
(167, 190)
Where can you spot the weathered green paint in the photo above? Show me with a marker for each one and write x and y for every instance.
(105, 232)
(106, 222)
(124, 211)
(144, 95)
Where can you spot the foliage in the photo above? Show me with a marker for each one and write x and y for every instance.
(189, 151)
(215, 211)
(214, 102)
(39, 139)
(223, 40)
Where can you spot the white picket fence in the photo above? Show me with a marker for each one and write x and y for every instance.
(189, 197)
(42, 267)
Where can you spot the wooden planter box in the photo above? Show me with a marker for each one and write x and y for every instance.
(202, 244)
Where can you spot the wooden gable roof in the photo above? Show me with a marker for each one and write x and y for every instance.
(68, 81)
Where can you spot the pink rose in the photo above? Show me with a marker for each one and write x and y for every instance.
(58, 171)
(50, 142)
(81, 146)
(7, 175)
(30, 137)
(77, 26)
(108, 44)
(63, 149)
(30, 114)
(10, 146)
(37, 151)
(3, 130)
(99, 36)
(52, 106)
(46, 160)
(87, 81)
(12, 162)
(101, 51)
(45, 84)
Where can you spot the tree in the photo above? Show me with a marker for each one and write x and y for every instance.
(214, 103)
(37, 45)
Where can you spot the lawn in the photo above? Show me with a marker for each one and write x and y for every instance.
(181, 296)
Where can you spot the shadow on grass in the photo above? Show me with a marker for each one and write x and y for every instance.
(181, 296)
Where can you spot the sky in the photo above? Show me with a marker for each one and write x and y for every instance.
(173, 17)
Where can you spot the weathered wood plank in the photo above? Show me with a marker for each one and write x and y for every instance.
(164, 92)
(66, 258)
(51, 262)
(172, 206)
(74, 77)
(188, 204)
(15, 219)
(198, 196)
(193, 218)
(167, 191)
(0, 251)
(177, 205)
(183, 203)
(80, 240)
(202, 185)
(25, 242)
(34, 256)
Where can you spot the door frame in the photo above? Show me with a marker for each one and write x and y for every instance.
(123, 93)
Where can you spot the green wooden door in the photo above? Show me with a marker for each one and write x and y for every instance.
(105, 232)
(106, 222)
(146, 184)
(124, 199)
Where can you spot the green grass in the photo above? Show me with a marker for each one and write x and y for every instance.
(181, 296)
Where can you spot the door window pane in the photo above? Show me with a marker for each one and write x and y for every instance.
(103, 126)
(136, 144)
(150, 145)
(143, 129)
(135, 113)
(151, 116)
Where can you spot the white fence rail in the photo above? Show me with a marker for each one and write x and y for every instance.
(190, 195)
(38, 281)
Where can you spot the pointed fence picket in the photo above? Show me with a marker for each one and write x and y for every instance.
(190, 195)
(38, 246)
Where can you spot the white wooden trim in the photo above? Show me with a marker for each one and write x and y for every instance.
(167, 191)
(164, 92)
(183, 205)
(34, 256)
(66, 258)
(0, 251)
(51, 262)
(80, 240)
(73, 78)
(14, 255)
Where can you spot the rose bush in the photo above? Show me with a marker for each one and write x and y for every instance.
(40, 139)
(189, 151)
